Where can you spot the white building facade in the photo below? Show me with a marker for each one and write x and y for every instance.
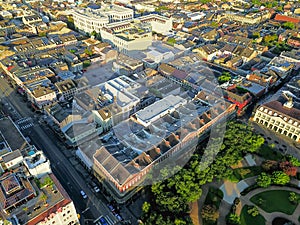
(89, 20)
(277, 120)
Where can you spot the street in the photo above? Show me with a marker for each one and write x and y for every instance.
(90, 208)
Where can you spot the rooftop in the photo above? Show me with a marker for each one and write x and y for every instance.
(37, 211)
(12, 135)
(277, 108)
(139, 146)
(159, 108)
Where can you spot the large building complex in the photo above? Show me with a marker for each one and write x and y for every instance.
(167, 128)
(135, 34)
(280, 116)
(128, 35)
(89, 20)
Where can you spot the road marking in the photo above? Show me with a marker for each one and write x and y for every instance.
(109, 220)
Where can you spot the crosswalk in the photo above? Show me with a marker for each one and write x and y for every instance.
(24, 123)
(106, 221)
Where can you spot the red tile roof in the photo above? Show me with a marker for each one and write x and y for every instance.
(283, 18)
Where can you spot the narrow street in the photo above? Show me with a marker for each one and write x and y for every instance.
(72, 181)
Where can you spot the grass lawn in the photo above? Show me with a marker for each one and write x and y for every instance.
(247, 219)
(274, 201)
(268, 152)
(246, 172)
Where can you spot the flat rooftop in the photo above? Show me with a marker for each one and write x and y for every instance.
(12, 135)
(160, 107)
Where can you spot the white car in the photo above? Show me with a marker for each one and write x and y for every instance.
(96, 189)
(83, 194)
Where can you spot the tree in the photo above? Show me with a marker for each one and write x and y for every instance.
(293, 197)
(244, 172)
(233, 219)
(88, 51)
(256, 2)
(209, 213)
(270, 39)
(224, 78)
(270, 165)
(293, 160)
(171, 41)
(288, 25)
(256, 34)
(288, 168)
(86, 63)
(44, 198)
(94, 33)
(264, 180)
(146, 207)
(279, 177)
(214, 24)
(253, 211)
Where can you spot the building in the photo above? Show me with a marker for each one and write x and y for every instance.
(164, 129)
(239, 96)
(42, 96)
(127, 35)
(281, 116)
(126, 65)
(12, 159)
(248, 18)
(37, 164)
(77, 132)
(159, 109)
(55, 207)
(28, 20)
(123, 91)
(135, 34)
(66, 88)
(159, 24)
(60, 117)
(89, 20)
(103, 118)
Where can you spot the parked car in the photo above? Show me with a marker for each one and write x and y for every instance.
(83, 194)
(96, 189)
(119, 217)
(103, 221)
(111, 207)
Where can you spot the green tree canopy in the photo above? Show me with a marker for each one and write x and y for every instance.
(233, 219)
(264, 180)
(289, 25)
(279, 177)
